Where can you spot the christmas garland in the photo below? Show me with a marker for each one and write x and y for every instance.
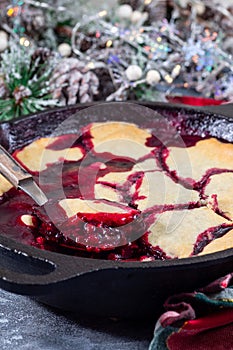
(138, 49)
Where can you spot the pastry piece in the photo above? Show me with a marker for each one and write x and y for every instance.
(99, 212)
(115, 179)
(119, 178)
(221, 243)
(108, 193)
(146, 165)
(99, 224)
(158, 189)
(28, 220)
(4, 185)
(176, 232)
(192, 163)
(120, 139)
(37, 156)
(127, 178)
(117, 186)
(220, 193)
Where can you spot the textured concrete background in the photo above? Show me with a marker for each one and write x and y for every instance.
(27, 325)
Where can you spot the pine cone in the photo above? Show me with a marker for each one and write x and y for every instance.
(33, 19)
(72, 83)
(43, 53)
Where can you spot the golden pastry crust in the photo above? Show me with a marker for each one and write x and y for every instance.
(27, 220)
(4, 185)
(222, 243)
(149, 164)
(176, 232)
(120, 178)
(107, 193)
(36, 156)
(220, 190)
(193, 162)
(115, 178)
(120, 139)
(159, 189)
(72, 206)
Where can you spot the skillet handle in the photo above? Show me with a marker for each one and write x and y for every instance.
(31, 271)
(11, 169)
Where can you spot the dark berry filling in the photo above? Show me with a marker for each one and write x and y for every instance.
(115, 235)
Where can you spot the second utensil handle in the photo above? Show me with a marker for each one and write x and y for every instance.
(11, 169)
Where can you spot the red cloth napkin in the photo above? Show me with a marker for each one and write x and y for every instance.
(202, 320)
(195, 101)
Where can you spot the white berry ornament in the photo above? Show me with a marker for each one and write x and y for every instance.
(3, 40)
(200, 8)
(133, 72)
(153, 77)
(125, 11)
(64, 49)
(183, 3)
(136, 17)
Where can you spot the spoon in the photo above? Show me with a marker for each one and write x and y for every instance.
(24, 181)
(20, 178)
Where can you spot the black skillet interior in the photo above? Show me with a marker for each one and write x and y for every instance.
(108, 288)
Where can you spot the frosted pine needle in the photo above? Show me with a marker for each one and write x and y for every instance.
(25, 81)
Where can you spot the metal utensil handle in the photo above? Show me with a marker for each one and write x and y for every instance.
(11, 169)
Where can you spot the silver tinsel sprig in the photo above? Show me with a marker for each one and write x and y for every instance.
(183, 52)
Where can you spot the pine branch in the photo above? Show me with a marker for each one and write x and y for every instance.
(26, 81)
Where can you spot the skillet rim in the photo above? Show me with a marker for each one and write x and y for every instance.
(50, 256)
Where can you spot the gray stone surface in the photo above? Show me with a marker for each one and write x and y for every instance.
(28, 325)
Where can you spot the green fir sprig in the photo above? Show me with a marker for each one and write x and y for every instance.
(24, 82)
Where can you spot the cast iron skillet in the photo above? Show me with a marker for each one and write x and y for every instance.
(99, 287)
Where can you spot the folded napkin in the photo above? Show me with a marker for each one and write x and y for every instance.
(202, 320)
